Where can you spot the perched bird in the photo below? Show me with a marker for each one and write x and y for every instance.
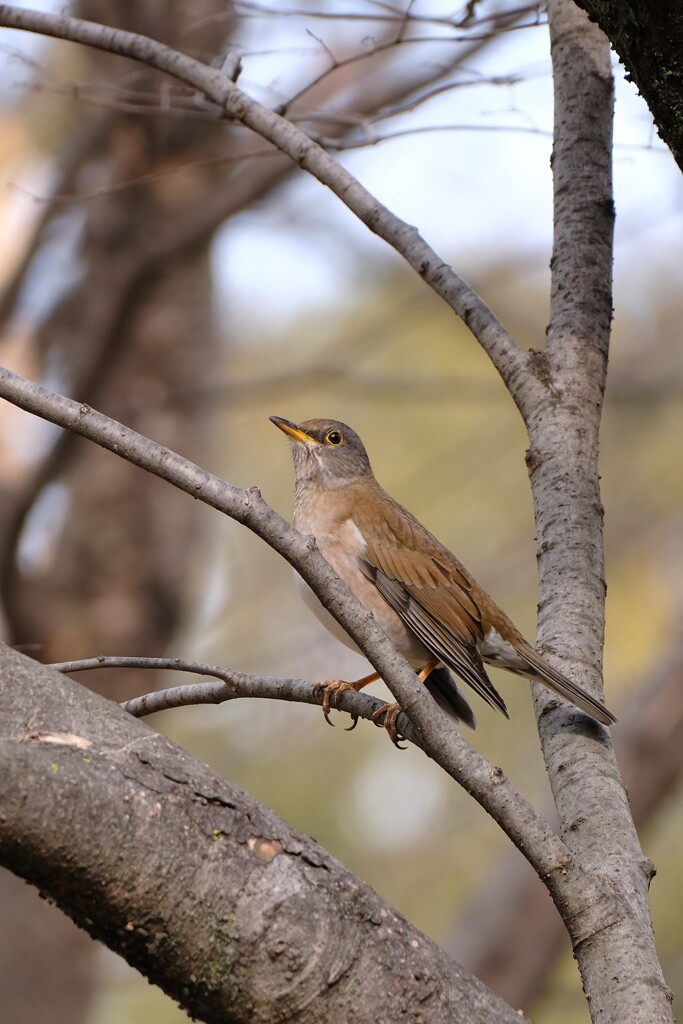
(427, 603)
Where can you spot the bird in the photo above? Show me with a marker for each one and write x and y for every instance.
(438, 617)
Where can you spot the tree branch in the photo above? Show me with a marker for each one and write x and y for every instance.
(510, 360)
(648, 36)
(510, 935)
(232, 685)
(581, 896)
(210, 895)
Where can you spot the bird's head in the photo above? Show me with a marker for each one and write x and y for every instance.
(325, 452)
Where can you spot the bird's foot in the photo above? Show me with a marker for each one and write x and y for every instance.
(332, 690)
(386, 716)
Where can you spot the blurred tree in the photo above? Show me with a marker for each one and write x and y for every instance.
(133, 286)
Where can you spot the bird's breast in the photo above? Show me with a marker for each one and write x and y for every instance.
(342, 545)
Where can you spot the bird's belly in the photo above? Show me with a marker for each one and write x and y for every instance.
(403, 639)
(322, 615)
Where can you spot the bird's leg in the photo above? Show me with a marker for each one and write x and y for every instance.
(424, 673)
(331, 691)
(390, 712)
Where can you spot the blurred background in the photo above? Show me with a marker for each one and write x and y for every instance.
(178, 274)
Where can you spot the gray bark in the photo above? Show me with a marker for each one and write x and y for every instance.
(210, 895)
(618, 961)
(511, 936)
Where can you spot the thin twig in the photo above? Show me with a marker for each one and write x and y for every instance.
(232, 685)
(508, 357)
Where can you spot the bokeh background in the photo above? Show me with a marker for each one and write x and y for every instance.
(173, 271)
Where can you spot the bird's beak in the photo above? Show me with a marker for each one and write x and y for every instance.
(291, 429)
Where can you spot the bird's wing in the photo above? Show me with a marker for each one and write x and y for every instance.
(431, 592)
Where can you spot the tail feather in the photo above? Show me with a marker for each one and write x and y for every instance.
(442, 687)
(542, 672)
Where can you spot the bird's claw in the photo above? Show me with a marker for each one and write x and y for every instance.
(331, 691)
(389, 713)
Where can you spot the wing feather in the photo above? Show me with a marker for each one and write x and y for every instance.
(436, 598)
(455, 647)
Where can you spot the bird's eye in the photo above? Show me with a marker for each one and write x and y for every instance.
(334, 437)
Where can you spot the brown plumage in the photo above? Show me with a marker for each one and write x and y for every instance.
(424, 599)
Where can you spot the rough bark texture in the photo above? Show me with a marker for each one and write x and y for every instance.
(648, 36)
(618, 962)
(511, 935)
(236, 915)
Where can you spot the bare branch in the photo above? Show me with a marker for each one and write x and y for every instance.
(232, 686)
(387, 13)
(340, 145)
(510, 936)
(510, 360)
(501, 22)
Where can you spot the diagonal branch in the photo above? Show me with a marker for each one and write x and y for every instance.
(510, 360)
(648, 37)
(510, 936)
(581, 896)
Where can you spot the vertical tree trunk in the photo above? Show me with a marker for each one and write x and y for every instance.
(621, 974)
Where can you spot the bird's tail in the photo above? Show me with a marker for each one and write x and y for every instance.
(544, 673)
(441, 685)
